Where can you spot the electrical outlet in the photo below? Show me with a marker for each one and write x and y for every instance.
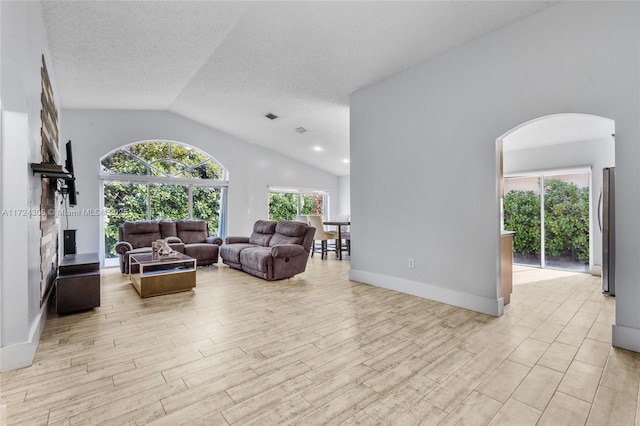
(411, 263)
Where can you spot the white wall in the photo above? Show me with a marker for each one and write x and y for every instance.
(2, 408)
(23, 41)
(594, 154)
(344, 195)
(1, 220)
(431, 131)
(251, 168)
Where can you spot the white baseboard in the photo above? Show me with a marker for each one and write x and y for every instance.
(480, 304)
(625, 337)
(21, 355)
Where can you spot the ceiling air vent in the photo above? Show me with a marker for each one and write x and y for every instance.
(271, 116)
(301, 130)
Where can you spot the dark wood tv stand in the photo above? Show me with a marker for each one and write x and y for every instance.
(78, 283)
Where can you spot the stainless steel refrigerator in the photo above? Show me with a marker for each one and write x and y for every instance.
(608, 228)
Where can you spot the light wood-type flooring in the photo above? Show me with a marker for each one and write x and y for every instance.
(319, 349)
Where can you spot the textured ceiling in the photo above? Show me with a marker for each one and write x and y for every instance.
(227, 64)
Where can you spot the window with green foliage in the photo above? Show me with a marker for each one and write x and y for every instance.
(164, 159)
(288, 205)
(566, 212)
(312, 204)
(283, 206)
(552, 230)
(161, 180)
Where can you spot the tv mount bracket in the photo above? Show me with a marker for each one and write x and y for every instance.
(53, 172)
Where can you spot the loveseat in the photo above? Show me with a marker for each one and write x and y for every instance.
(190, 237)
(274, 251)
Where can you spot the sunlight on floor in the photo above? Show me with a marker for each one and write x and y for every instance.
(526, 274)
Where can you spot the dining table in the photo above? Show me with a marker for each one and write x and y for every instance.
(339, 225)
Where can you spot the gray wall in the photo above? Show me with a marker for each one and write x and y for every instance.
(424, 158)
(23, 42)
(344, 190)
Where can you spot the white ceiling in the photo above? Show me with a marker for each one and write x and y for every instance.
(559, 129)
(227, 64)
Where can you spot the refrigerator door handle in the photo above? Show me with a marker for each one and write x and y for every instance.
(600, 211)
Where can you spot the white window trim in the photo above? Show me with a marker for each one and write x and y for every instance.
(304, 191)
(220, 184)
(542, 174)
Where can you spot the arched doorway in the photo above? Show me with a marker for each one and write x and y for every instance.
(551, 169)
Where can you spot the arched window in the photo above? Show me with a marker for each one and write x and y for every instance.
(154, 180)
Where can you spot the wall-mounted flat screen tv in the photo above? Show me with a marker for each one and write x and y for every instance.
(71, 183)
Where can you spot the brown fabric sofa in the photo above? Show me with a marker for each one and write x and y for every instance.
(274, 251)
(190, 237)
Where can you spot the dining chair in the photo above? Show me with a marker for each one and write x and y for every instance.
(321, 235)
(345, 232)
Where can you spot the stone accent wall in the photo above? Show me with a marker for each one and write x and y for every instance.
(48, 219)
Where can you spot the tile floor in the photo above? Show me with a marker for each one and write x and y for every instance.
(320, 349)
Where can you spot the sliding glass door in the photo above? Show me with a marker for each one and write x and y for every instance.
(566, 219)
(551, 230)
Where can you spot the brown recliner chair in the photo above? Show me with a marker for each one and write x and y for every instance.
(274, 251)
(197, 242)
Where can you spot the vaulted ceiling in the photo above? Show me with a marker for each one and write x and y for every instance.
(227, 64)
(560, 129)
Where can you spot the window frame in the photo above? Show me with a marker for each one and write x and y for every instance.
(550, 173)
(300, 192)
(149, 179)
